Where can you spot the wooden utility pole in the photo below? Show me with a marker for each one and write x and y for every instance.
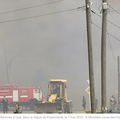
(6, 66)
(118, 80)
(11, 77)
(90, 56)
(103, 57)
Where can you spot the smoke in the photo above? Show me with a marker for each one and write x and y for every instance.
(55, 46)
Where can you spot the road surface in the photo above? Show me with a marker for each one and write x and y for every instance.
(32, 112)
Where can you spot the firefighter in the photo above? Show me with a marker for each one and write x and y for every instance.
(5, 105)
(84, 103)
(112, 101)
(17, 109)
(57, 91)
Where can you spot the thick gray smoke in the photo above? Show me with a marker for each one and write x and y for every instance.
(55, 46)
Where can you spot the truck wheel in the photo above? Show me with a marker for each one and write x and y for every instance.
(65, 108)
(1, 107)
(69, 108)
(32, 102)
(62, 107)
(32, 107)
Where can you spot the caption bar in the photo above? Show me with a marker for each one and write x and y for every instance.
(59, 116)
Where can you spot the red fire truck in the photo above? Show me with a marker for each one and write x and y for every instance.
(25, 96)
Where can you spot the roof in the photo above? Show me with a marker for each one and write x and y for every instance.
(14, 86)
(58, 80)
(28, 87)
(8, 86)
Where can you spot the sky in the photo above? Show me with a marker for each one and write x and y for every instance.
(55, 46)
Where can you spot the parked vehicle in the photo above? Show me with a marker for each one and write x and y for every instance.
(24, 96)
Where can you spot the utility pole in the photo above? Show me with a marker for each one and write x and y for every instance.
(90, 56)
(118, 80)
(10, 66)
(103, 57)
(6, 66)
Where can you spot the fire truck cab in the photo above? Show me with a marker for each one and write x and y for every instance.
(25, 96)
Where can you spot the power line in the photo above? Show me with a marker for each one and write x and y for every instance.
(107, 32)
(31, 7)
(42, 15)
(107, 20)
(114, 9)
(111, 48)
(114, 17)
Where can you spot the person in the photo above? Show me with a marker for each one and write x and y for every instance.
(5, 105)
(17, 109)
(57, 91)
(112, 101)
(84, 103)
(96, 103)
